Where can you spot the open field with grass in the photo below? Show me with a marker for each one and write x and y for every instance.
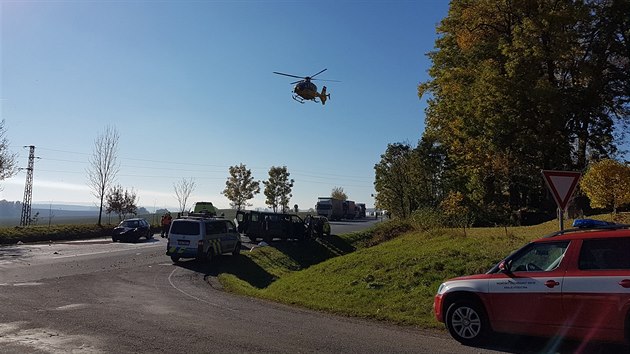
(393, 281)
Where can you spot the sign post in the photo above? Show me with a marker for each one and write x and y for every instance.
(562, 186)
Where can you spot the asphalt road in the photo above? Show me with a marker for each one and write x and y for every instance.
(102, 297)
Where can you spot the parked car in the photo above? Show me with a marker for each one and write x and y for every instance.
(574, 284)
(132, 230)
(203, 238)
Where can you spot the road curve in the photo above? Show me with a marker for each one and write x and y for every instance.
(100, 297)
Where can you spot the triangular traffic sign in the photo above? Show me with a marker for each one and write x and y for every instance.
(562, 185)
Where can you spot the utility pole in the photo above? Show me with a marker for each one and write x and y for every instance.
(28, 189)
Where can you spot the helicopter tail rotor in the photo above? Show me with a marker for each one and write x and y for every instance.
(323, 96)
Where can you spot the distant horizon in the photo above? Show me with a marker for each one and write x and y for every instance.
(83, 206)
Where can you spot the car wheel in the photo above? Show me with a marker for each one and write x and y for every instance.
(237, 249)
(467, 322)
(175, 259)
(149, 235)
(114, 239)
(209, 256)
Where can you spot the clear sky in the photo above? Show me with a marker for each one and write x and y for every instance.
(189, 86)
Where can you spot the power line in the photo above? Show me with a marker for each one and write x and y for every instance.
(318, 175)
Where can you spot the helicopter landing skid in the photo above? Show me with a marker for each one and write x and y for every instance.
(298, 98)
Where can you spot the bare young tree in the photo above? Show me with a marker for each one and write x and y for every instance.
(8, 166)
(183, 190)
(103, 165)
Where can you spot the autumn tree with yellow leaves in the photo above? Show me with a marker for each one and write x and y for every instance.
(607, 184)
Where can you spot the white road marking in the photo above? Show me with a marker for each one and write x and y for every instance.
(192, 296)
(71, 307)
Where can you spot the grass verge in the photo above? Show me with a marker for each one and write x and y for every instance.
(389, 273)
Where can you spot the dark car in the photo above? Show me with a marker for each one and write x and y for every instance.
(266, 225)
(132, 230)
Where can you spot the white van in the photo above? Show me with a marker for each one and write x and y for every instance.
(202, 238)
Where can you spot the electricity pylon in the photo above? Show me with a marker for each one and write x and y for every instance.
(28, 189)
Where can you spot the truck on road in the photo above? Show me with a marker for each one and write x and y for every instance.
(349, 209)
(330, 207)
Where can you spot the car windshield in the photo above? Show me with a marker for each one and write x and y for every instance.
(130, 223)
(185, 228)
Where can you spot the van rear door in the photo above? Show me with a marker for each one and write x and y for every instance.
(185, 234)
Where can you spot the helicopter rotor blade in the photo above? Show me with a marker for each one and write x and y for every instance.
(289, 75)
(326, 80)
(295, 82)
(312, 76)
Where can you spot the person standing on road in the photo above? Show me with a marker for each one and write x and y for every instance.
(166, 224)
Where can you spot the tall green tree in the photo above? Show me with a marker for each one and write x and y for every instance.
(278, 188)
(394, 180)
(520, 86)
(240, 187)
(408, 178)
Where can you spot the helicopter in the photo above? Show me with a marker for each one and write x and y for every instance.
(304, 89)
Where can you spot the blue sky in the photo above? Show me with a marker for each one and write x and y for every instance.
(189, 86)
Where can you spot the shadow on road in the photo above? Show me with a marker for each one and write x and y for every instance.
(313, 251)
(303, 254)
(240, 266)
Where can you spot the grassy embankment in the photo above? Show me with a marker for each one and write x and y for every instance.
(365, 275)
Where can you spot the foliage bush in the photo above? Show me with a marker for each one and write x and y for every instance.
(388, 230)
(427, 219)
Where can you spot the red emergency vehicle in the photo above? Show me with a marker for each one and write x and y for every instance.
(572, 284)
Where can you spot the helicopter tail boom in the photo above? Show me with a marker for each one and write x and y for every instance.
(323, 96)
